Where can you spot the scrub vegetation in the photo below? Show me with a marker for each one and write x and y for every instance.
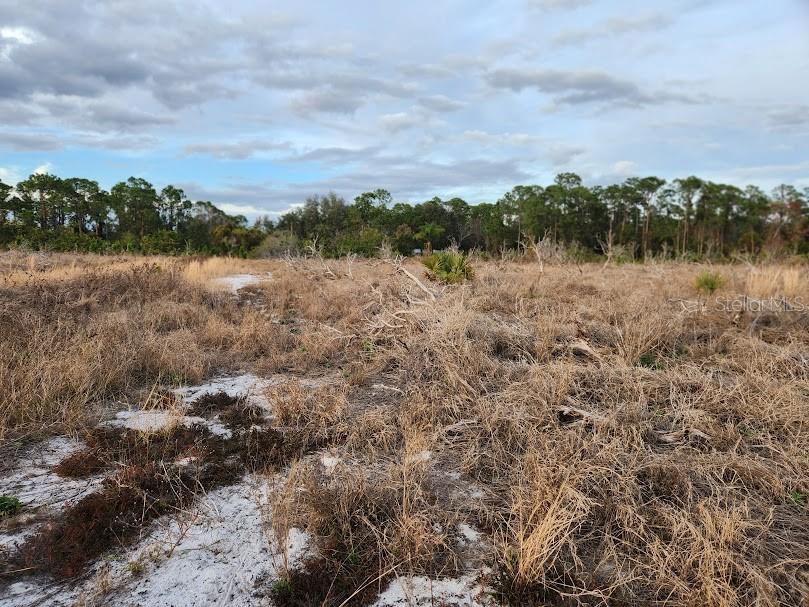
(622, 434)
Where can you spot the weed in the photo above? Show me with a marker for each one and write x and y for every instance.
(135, 568)
(148, 484)
(214, 402)
(9, 505)
(708, 281)
(325, 582)
(650, 361)
(797, 497)
(281, 590)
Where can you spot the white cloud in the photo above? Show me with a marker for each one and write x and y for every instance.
(11, 37)
(20, 35)
(43, 169)
(10, 175)
(502, 138)
(615, 27)
(400, 121)
(241, 209)
(555, 5)
(624, 168)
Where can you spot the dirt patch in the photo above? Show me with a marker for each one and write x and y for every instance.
(157, 474)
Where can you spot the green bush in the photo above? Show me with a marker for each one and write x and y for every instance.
(364, 242)
(9, 506)
(450, 267)
(708, 281)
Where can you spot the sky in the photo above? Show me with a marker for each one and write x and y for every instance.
(257, 105)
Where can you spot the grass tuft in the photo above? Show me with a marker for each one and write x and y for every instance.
(708, 281)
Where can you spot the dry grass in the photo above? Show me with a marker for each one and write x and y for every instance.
(618, 437)
(77, 335)
(201, 271)
(776, 281)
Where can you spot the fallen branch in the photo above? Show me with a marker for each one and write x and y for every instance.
(397, 263)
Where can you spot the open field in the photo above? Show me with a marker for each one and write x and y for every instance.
(351, 433)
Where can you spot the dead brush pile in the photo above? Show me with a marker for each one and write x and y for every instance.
(631, 450)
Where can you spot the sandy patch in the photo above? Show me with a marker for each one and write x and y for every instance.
(234, 282)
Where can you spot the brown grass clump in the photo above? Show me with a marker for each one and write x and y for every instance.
(369, 525)
(315, 416)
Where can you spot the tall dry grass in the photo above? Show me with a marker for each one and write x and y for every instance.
(631, 449)
(775, 281)
(78, 333)
(201, 271)
(616, 436)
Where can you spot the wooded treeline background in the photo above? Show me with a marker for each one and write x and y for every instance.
(687, 218)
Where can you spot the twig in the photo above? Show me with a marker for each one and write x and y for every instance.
(419, 284)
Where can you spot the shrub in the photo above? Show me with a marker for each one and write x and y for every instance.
(276, 244)
(708, 281)
(9, 506)
(448, 266)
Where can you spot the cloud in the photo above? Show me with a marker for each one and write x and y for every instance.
(427, 70)
(231, 83)
(486, 138)
(117, 117)
(624, 168)
(440, 103)
(405, 178)
(582, 87)
(336, 93)
(400, 121)
(558, 153)
(10, 175)
(336, 155)
(327, 100)
(555, 5)
(242, 209)
(126, 143)
(45, 142)
(30, 142)
(788, 117)
(238, 150)
(616, 26)
(771, 171)
(42, 169)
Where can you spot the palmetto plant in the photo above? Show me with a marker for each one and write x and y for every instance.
(450, 267)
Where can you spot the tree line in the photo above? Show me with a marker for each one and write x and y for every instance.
(686, 218)
(46, 211)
